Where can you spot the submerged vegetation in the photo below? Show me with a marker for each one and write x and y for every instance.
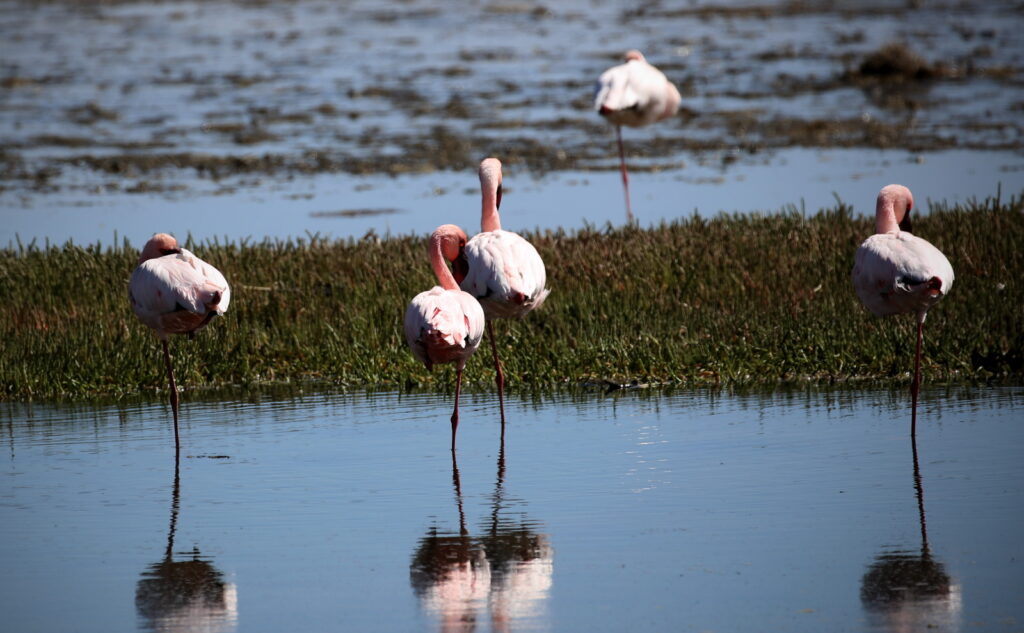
(741, 299)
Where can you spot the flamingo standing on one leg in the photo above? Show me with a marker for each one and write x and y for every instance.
(445, 324)
(635, 94)
(174, 292)
(895, 272)
(500, 268)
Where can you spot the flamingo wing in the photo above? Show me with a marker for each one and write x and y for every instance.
(635, 94)
(177, 283)
(443, 326)
(900, 273)
(506, 274)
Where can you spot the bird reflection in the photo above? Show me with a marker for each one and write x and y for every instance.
(185, 595)
(505, 573)
(910, 591)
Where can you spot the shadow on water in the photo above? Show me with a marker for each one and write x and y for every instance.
(506, 571)
(184, 595)
(905, 590)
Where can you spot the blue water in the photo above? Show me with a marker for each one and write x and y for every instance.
(634, 511)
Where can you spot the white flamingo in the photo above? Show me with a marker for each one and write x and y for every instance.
(895, 272)
(174, 292)
(445, 324)
(500, 268)
(636, 94)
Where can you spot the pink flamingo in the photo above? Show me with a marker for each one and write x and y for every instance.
(174, 292)
(895, 272)
(500, 268)
(635, 94)
(445, 324)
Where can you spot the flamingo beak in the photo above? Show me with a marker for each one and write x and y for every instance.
(460, 267)
(906, 224)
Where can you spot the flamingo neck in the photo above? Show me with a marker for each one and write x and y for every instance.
(440, 265)
(885, 215)
(489, 219)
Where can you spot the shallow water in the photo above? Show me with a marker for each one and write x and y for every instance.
(424, 89)
(631, 511)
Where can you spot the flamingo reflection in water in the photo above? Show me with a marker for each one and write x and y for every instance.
(185, 595)
(506, 572)
(906, 591)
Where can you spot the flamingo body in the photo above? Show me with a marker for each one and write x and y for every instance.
(635, 93)
(500, 268)
(899, 273)
(443, 326)
(895, 272)
(177, 293)
(505, 273)
(174, 292)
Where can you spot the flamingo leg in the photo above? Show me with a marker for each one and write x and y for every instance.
(455, 414)
(625, 172)
(915, 385)
(499, 375)
(174, 393)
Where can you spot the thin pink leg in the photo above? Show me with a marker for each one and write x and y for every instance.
(174, 394)
(499, 375)
(915, 386)
(625, 173)
(455, 414)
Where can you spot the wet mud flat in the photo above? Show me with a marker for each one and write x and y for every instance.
(148, 97)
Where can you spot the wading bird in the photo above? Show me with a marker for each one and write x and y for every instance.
(500, 268)
(174, 292)
(445, 324)
(634, 94)
(895, 272)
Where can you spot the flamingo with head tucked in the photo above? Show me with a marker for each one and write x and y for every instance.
(500, 268)
(174, 292)
(445, 324)
(895, 272)
(636, 94)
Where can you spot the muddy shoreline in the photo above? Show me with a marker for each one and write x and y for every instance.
(287, 101)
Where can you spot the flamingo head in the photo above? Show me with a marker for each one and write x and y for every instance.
(634, 55)
(892, 209)
(159, 245)
(450, 239)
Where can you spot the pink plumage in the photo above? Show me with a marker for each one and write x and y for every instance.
(636, 94)
(895, 272)
(445, 324)
(174, 292)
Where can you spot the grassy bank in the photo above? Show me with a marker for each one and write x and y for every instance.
(732, 300)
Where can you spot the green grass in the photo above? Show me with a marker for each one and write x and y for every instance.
(735, 300)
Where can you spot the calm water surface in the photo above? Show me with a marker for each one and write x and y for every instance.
(639, 512)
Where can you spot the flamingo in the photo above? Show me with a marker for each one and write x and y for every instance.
(635, 94)
(500, 268)
(895, 272)
(445, 324)
(174, 292)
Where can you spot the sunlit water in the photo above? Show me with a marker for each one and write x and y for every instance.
(631, 511)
